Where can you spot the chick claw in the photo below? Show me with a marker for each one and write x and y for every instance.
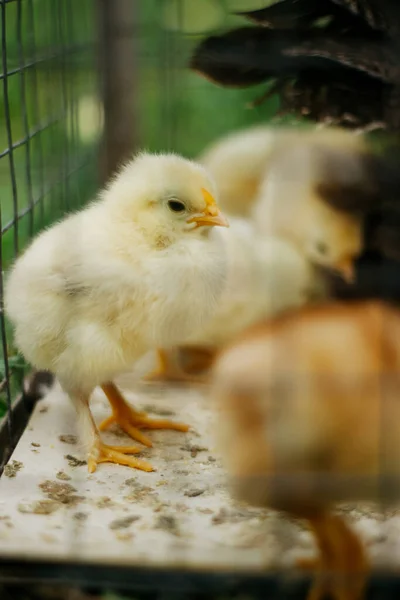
(101, 453)
(131, 420)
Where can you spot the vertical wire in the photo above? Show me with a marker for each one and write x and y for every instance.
(25, 121)
(65, 108)
(4, 349)
(8, 127)
(35, 109)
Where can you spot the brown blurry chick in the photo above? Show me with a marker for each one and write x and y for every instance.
(310, 417)
(139, 268)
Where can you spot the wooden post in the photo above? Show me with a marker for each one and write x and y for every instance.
(118, 81)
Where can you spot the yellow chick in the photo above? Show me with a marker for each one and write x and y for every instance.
(290, 394)
(140, 267)
(265, 276)
(310, 177)
(238, 161)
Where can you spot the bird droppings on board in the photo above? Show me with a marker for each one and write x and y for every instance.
(123, 523)
(167, 523)
(63, 476)
(64, 493)
(74, 462)
(194, 449)
(68, 439)
(12, 468)
(194, 492)
(41, 507)
(80, 516)
(104, 502)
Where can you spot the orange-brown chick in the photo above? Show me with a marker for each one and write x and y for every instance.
(310, 416)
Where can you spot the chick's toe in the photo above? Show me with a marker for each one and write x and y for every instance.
(101, 453)
(131, 420)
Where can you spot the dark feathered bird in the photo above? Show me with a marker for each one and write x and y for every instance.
(333, 60)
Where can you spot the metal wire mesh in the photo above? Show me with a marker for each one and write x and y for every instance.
(48, 166)
(48, 142)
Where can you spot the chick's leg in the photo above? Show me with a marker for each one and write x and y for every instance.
(166, 369)
(98, 452)
(342, 565)
(185, 364)
(131, 420)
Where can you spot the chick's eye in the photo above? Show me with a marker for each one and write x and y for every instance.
(176, 206)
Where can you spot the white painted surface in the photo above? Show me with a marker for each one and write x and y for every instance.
(170, 525)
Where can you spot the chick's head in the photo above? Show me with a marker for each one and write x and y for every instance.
(313, 193)
(331, 239)
(164, 196)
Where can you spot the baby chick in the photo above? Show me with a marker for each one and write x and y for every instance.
(265, 276)
(139, 268)
(238, 161)
(310, 195)
(289, 393)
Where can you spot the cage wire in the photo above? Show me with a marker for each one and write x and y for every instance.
(77, 77)
(50, 130)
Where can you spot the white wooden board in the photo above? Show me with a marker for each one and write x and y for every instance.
(181, 515)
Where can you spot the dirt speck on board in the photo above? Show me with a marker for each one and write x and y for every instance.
(48, 538)
(12, 468)
(35, 445)
(104, 502)
(80, 516)
(167, 523)
(41, 507)
(234, 516)
(124, 522)
(63, 476)
(74, 462)
(156, 410)
(194, 492)
(68, 439)
(44, 409)
(60, 492)
(194, 449)
(125, 536)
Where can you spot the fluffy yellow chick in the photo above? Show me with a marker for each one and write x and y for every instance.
(311, 175)
(291, 395)
(237, 161)
(141, 267)
(265, 276)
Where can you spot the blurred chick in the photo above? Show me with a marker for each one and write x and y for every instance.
(238, 161)
(265, 276)
(297, 220)
(289, 394)
(312, 190)
(140, 267)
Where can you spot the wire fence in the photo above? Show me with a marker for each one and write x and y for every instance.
(50, 126)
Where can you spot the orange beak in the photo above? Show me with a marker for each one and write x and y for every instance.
(211, 216)
(346, 269)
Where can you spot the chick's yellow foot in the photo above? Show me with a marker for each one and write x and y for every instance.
(131, 420)
(166, 369)
(101, 453)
